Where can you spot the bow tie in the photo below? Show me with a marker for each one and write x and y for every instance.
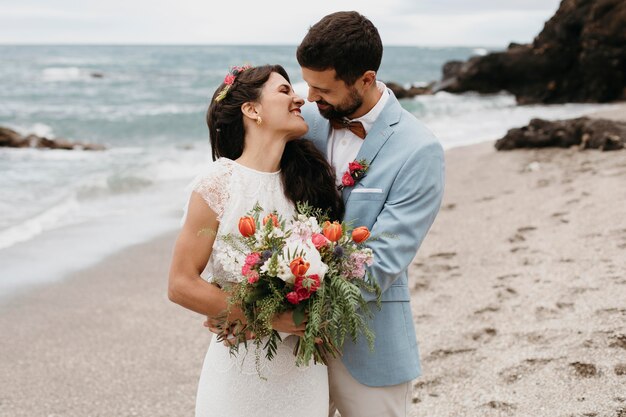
(355, 127)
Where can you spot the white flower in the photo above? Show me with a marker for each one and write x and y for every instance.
(295, 248)
(283, 272)
(303, 228)
(231, 259)
(276, 232)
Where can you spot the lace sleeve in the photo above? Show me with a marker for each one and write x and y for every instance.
(213, 187)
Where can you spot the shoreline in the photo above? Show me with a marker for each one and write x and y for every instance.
(501, 324)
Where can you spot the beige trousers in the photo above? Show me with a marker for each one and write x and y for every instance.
(352, 399)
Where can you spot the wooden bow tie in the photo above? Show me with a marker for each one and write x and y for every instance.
(355, 127)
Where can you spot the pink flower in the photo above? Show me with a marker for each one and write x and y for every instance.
(315, 282)
(293, 298)
(319, 240)
(253, 277)
(229, 79)
(310, 283)
(359, 260)
(354, 166)
(303, 294)
(253, 258)
(347, 179)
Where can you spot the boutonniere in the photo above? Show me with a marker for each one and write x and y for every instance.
(356, 171)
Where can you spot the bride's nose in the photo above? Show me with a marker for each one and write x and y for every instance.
(298, 100)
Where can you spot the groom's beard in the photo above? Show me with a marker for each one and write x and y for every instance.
(349, 106)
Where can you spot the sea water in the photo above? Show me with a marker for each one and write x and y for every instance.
(63, 210)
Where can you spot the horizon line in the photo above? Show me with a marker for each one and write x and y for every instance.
(232, 44)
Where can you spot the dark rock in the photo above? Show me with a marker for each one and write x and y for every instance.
(401, 92)
(579, 56)
(607, 135)
(585, 370)
(97, 75)
(11, 139)
(618, 341)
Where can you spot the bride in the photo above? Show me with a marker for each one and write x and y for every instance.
(254, 119)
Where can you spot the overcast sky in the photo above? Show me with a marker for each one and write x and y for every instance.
(400, 22)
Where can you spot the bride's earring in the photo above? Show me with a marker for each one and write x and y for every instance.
(259, 121)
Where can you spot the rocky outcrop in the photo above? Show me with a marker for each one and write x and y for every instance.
(401, 92)
(12, 139)
(579, 56)
(607, 135)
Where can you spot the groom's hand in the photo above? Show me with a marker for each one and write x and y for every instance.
(217, 326)
(284, 323)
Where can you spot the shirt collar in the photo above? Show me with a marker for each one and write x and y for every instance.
(370, 117)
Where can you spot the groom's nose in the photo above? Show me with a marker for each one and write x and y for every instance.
(312, 96)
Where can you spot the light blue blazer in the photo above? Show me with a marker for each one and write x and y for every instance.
(402, 194)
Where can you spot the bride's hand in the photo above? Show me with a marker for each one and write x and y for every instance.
(284, 323)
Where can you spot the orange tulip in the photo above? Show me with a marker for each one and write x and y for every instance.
(247, 226)
(299, 267)
(273, 217)
(332, 231)
(360, 234)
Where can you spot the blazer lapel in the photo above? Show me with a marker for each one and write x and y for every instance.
(319, 127)
(378, 135)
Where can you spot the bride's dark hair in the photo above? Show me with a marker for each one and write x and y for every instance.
(305, 173)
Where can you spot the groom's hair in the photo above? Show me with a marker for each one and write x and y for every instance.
(347, 42)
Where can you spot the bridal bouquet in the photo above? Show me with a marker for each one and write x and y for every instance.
(308, 265)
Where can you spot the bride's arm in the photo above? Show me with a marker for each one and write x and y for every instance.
(191, 254)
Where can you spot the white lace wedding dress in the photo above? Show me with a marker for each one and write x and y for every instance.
(230, 385)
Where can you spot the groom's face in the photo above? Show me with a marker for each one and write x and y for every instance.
(333, 97)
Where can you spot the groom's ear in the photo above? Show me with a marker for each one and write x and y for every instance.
(250, 110)
(368, 78)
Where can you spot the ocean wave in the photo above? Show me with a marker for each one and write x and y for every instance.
(50, 218)
(93, 111)
(39, 129)
(479, 51)
(464, 119)
(56, 74)
(110, 185)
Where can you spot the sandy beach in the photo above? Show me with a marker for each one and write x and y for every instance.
(519, 300)
(519, 290)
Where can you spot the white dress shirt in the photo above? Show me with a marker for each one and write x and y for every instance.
(344, 146)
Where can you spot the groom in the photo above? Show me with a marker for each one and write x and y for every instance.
(359, 118)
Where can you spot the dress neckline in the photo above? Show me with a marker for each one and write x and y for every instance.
(251, 169)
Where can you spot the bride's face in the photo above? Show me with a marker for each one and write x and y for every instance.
(280, 108)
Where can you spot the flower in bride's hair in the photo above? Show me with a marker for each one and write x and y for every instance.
(229, 79)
